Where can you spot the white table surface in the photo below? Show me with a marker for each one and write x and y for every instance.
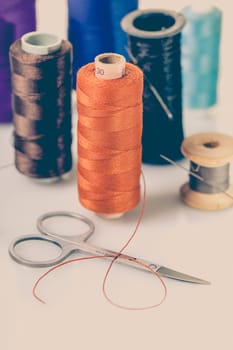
(76, 315)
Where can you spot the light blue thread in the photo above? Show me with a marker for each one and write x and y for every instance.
(200, 57)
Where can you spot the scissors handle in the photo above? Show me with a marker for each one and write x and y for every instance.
(67, 244)
(66, 250)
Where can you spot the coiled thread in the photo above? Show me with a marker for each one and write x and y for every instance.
(154, 42)
(16, 18)
(216, 180)
(41, 100)
(6, 38)
(109, 140)
(200, 57)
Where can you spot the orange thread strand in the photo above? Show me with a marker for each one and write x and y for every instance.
(139, 220)
(115, 257)
(109, 140)
(34, 291)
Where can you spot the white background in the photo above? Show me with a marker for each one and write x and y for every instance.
(76, 315)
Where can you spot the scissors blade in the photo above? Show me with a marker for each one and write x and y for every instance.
(170, 273)
(136, 263)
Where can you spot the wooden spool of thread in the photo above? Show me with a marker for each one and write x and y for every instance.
(109, 94)
(209, 155)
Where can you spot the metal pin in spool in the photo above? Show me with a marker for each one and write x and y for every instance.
(110, 66)
(40, 43)
(209, 186)
(142, 24)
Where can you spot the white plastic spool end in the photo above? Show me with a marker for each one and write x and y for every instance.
(39, 43)
(109, 66)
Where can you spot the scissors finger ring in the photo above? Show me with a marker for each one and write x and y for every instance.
(83, 237)
(65, 243)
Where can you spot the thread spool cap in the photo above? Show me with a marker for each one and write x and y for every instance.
(39, 43)
(153, 23)
(109, 66)
(208, 149)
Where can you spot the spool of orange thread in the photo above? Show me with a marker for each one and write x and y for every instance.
(109, 94)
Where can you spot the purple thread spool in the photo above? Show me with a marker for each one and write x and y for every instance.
(6, 37)
(17, 17)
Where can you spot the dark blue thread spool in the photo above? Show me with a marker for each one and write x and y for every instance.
(154, 42)
(89, 31)
(94, 28)
(118, 9)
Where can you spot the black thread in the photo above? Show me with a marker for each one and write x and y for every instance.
(159, 58)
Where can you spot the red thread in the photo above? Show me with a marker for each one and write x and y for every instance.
(115, 257)
(104, 282)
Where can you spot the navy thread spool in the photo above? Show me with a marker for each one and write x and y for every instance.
(200, 55)
(154, 42)
(94, 27)
(118, 9)
(89, 31)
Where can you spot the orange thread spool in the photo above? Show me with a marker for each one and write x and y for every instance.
(109, 137)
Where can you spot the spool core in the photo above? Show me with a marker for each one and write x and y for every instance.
(210, 150)
(153, 23)
(211, 144)
(40, 43)
(110, 66)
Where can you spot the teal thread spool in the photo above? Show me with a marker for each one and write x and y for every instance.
(200, 56)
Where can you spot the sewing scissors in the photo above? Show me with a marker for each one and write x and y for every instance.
(70, 244)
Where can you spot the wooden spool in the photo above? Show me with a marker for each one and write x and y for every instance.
(210, 150)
